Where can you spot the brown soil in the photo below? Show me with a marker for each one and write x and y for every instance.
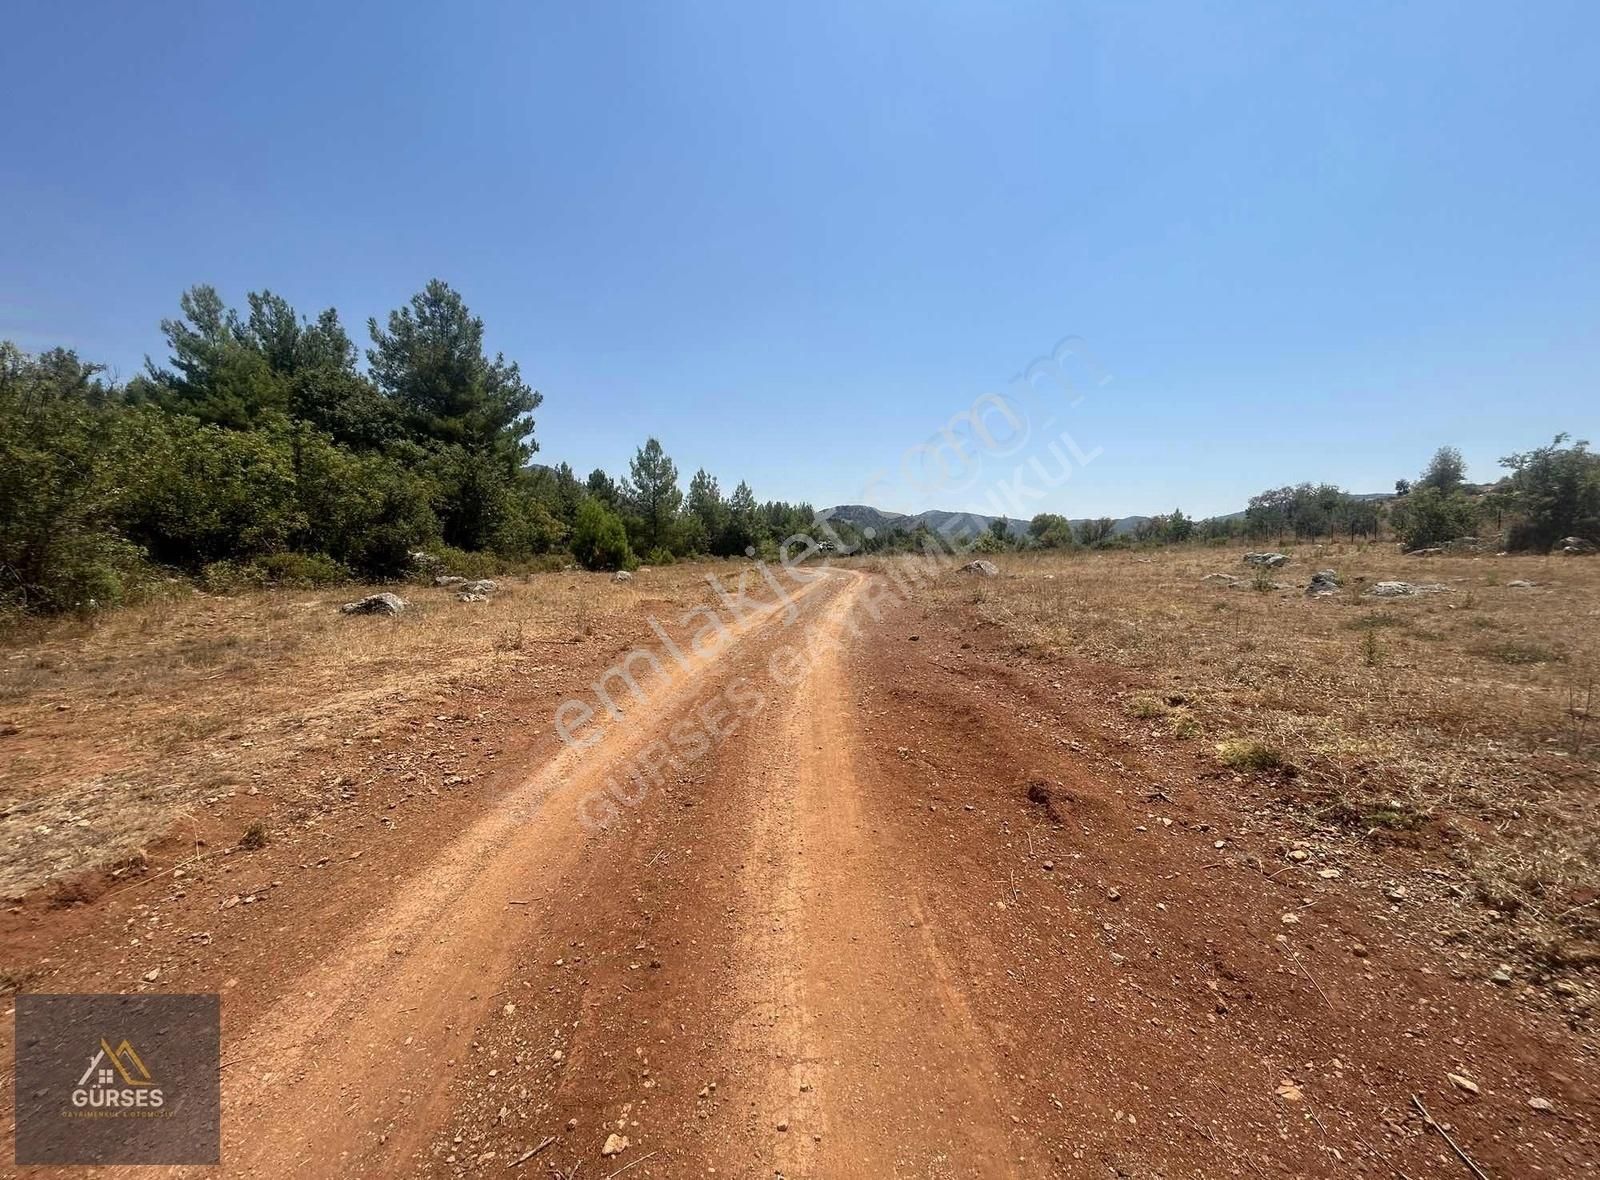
(928, 907)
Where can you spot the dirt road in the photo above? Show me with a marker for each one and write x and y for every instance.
(855, 895)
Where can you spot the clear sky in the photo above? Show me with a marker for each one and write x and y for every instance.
(1305, 241)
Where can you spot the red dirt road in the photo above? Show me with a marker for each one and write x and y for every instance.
(897, 904)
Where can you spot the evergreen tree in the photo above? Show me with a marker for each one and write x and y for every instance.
(430, 363)
(654, 495)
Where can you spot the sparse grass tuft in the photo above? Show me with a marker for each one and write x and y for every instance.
(1246, 754)
(1514, 652)
(1146, 707)
(1182, 725)
(255, 837)
(1376, 622)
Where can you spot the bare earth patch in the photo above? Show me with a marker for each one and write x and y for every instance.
(115, 732)
(1459, 722)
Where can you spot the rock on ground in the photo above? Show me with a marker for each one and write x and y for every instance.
(987, 568)
(375, 604)
(1575, 546)
(622, 576)
(1323, 583)
(1407, 589)
(1270, 560)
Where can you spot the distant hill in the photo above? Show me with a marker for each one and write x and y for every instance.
(880, 520)
(944, 523)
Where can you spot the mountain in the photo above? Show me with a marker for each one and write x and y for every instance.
(947, 524)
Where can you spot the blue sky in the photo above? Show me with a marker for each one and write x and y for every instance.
(1304, 241)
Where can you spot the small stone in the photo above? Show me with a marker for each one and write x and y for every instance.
(1290, 919)
(572, 1124)
(1462, 1083)
(152, 975)
(1114, 894)
(1565, 987)
(1542, 1105)
(1288, 1091)
(1049, 865)
(1330, 874)
(783, 1125)
(1299, 854)
(1501, 976)
(615, 1145)
(1359, 951)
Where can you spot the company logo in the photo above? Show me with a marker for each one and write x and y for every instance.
(118, 1084)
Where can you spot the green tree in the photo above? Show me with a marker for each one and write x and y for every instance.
(1429, 516)
(741, 535)
(59, 549)
(707, 512)
(1556, 491)
(1095, 532)
(217, 373)
(1051, 531)
(1445, 472)
(1179, 528)
(654, 494)
(430, 363)
(603, 488)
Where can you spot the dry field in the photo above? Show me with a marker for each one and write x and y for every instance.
(1459, 723)
(117, 731)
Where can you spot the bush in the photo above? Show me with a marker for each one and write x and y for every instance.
(59, 549)
(599, 541)
(305, 571)
(1428, 516)
(1556, 490)
(462, 564)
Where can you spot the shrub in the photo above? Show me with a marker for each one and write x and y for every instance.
(1428, 516)
(59, 549)
(599, 540)
(304, 571)
(1556, 489)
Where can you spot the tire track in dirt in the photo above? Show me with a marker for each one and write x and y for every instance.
(878, 1068)
(324, 1082)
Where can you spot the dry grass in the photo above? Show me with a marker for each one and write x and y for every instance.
(1465, 713)
(111, 730)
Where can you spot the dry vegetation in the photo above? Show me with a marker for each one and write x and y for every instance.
(113, 730)
(1459, 720)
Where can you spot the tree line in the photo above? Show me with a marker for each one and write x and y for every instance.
(1549, 493)
(263, 451)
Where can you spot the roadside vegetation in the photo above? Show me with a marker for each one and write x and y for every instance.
(263, 451)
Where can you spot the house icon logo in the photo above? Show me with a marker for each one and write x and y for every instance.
(108, 1064)
(118, 1084)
